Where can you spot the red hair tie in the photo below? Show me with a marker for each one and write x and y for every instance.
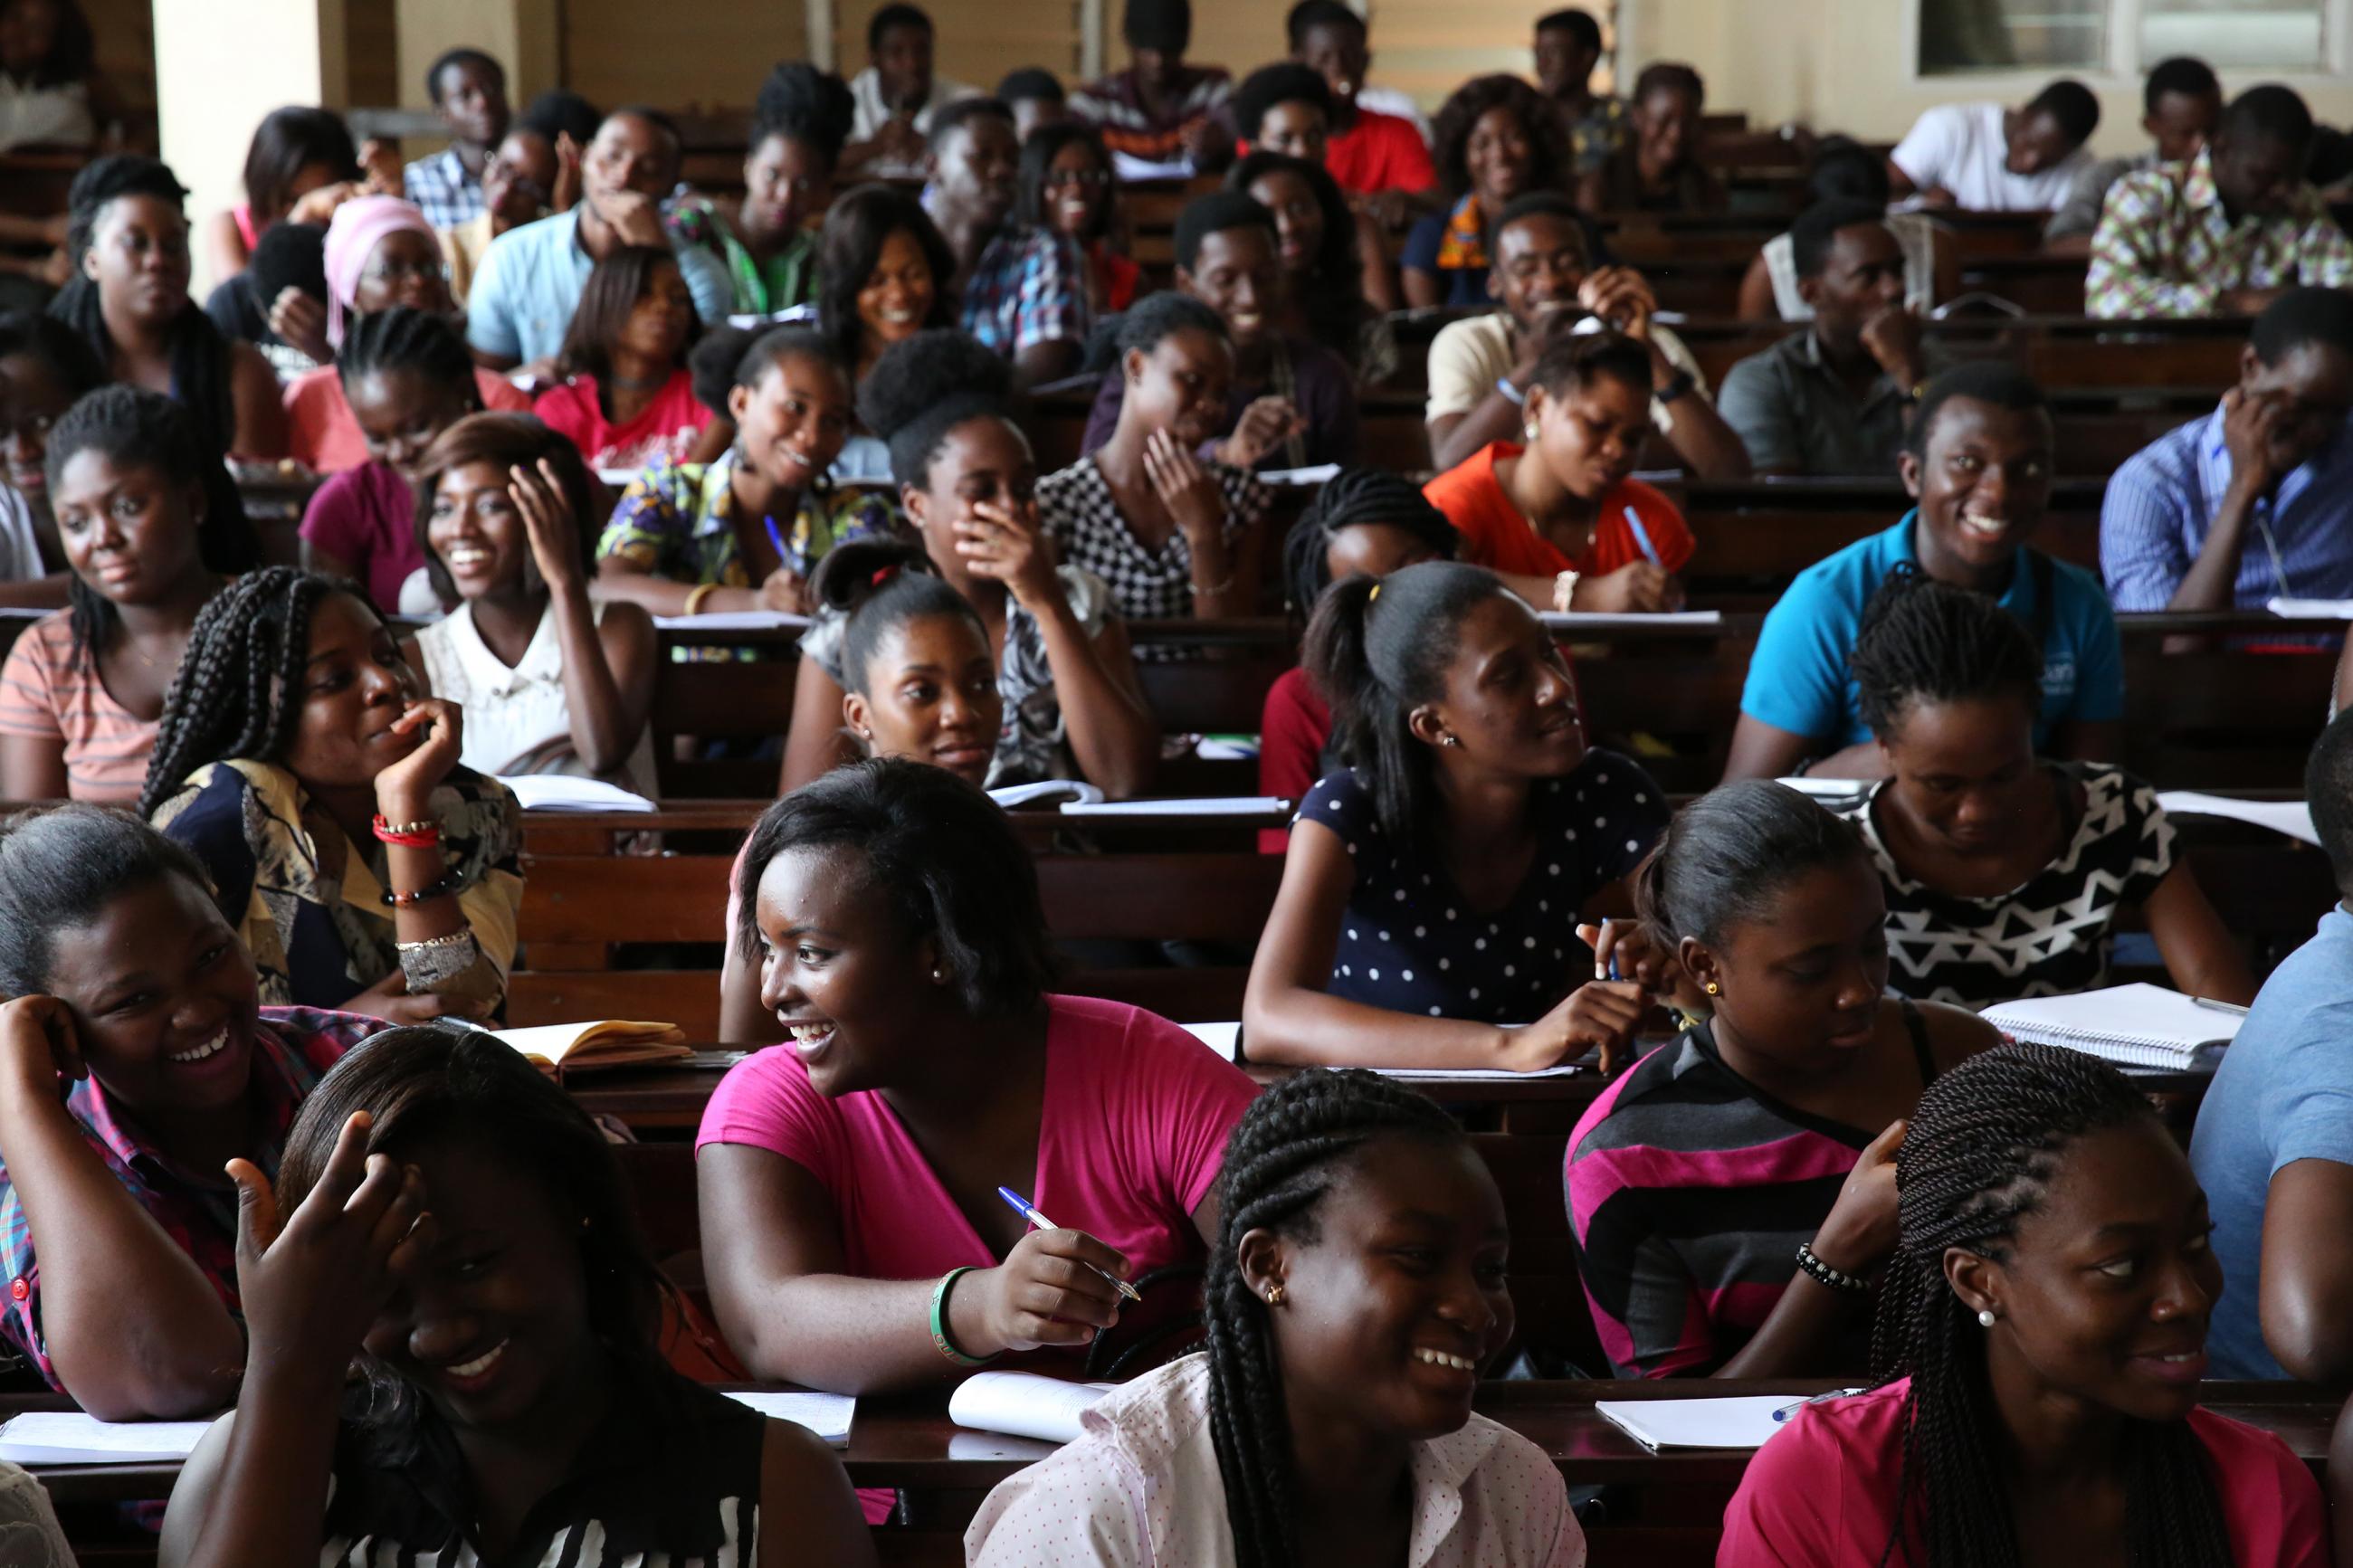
(881, 574)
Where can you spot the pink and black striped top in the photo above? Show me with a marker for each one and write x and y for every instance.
(1689, 1189)
(50, 693)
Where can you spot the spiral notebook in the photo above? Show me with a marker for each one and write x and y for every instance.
(2136, 1025)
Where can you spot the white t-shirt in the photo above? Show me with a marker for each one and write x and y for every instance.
(1469, 356)
(1960, 147)
(868, 112)
(20, 548)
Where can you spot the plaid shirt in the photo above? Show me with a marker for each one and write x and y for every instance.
(1028, 286)
(443, 190)
(2166, 248)
(294, 1046)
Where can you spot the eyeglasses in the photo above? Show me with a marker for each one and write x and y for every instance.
(1093, 179)
(403, 271)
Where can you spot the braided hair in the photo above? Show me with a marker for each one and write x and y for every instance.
(1284, 1155)
(401, 338)
(1983, 1146)
(1926, 641)
(132, 428)
(238, 690)
(1357, 497)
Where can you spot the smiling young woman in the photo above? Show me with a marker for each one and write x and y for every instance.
(2040, 1340)
(1354, 1294)
(450, 1220)
(136, 1058)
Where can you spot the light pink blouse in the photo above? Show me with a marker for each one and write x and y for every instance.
(1141, 1488)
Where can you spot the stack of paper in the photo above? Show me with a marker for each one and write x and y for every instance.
(71, 1437)
(1024, 1405)
(826, 1415)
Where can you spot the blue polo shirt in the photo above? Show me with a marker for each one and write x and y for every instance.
(1799, 680)
(2160, 506)
(529, 284)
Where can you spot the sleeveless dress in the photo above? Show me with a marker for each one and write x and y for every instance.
(518, 720)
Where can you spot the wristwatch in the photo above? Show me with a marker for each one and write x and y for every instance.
(1683, 381)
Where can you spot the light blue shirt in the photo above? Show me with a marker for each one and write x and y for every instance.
(529, 284)
(2161, 505)
(1799, 680)
(2283, 1093)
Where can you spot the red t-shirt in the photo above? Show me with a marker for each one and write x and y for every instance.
(1291, 733)
(1379, 153)
(666, 428)
(1497, 536)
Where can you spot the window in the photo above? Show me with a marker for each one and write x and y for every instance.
(2274, 34)
(1959, 37)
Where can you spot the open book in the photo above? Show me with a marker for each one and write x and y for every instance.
(563, 792)
(1735, 1421)
(1024, 1405)
(2138, 1026)
(610, 1043)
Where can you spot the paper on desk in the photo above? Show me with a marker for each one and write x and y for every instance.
(1012, 796)
(2311, 609)
(734, 621)
(71, 1437)
(2292, 818)
(1565, 1070)
(1129, 167)
(1827, 788)
(563, 792)
(826, 1415)
(1313, 474)
(1207, 805)
(1604, 620)
(1024, 1404)
(1739, 1420)
(1221, 1039)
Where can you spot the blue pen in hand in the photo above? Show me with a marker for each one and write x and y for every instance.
(1029, 1211)
(1642, 542)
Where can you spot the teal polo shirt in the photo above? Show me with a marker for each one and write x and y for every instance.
(1798, 679)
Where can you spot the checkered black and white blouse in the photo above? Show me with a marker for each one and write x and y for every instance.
(1079, 515)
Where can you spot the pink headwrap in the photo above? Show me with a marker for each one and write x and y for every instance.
(359, 225)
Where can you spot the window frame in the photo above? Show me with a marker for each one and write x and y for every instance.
(2122, 68)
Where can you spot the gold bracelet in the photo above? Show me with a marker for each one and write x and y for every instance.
(454, 939)
(694, 599)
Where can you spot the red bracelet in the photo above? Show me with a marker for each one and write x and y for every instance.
(409, 835)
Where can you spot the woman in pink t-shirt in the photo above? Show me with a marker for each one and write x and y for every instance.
(627, 398)
(2045, 1315)
(854, 1237)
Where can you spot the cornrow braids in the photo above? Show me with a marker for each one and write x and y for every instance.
(1926, 641)
(1982, 1148)
(1283, 1156)
(405, 339)
(238, 691)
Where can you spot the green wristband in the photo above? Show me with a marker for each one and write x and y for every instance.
(940, 1340)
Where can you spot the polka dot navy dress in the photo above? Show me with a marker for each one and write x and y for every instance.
(1410, 942)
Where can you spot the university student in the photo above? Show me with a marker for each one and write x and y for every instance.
(519, 183)
(2272, 1148)
(849, 1178)
(1844, 170)
(625, 398)
(84, 687)
(885, 274)
(1037, 99)
(551, 681)
(2182, 102)
(1338, 285)
(2004, 872)
(1657, 166)
(1354, 1290)
(2224, 235)
(1835, 396)
(1159, 109)
(530, 282)
(1985, 157)
(1285, 108)
(897, 97)
(2041, 1334)
(1978, 462)
(1380, 158)
(1567, 49)
(1023, 289)
(380, 254)
(128, 301)
(1497, 138)
(1431, 889)
(1482, 367)
(44, 370)
(52, 87)
(2252, 502)
(1068, 186)
(1559, 515)
(1778, 1115)
(364, 866)
(768, 240)
(449, 1219)
(137, 1057)
(299, 165)
(745, 530)
(1069, 703)
(468, 90)
(1362, 522)
(1167, 531)
(1290, 402)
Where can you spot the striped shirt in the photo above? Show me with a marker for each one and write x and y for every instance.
(2166, 246)
(1688, 1190)
(2160, 507)
(292, 1049)
(1114, 107)
(48, 693)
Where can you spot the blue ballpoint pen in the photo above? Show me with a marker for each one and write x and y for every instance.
(1642, 538)
(1029, 1211)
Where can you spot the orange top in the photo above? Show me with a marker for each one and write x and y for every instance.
(1495, 535)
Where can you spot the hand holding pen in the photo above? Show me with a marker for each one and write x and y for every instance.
(1055, 1288)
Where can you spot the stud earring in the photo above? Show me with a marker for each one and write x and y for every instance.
(1985, 1319)
(1447, 740)
(1712, 989)
(1274, 1295)
(939, 977)
(1529, 430)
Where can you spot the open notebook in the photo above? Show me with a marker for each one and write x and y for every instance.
(826, 1415)
(1736, 1421)
(71, 1437)
(1024, 1405)
(2137, 1026)
(609, 1043)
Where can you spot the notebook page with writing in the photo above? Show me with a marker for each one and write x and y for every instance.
(2131, 1026)
(1024, 1404)
(826, 1415)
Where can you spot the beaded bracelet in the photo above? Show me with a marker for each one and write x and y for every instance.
(453, 939)
(1836, 1279)
(940, 1340)
(442, 888)
(424, 835)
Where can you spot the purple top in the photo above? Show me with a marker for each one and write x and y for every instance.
(366, 517)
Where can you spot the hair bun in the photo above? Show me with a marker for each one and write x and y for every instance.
(918, 373)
